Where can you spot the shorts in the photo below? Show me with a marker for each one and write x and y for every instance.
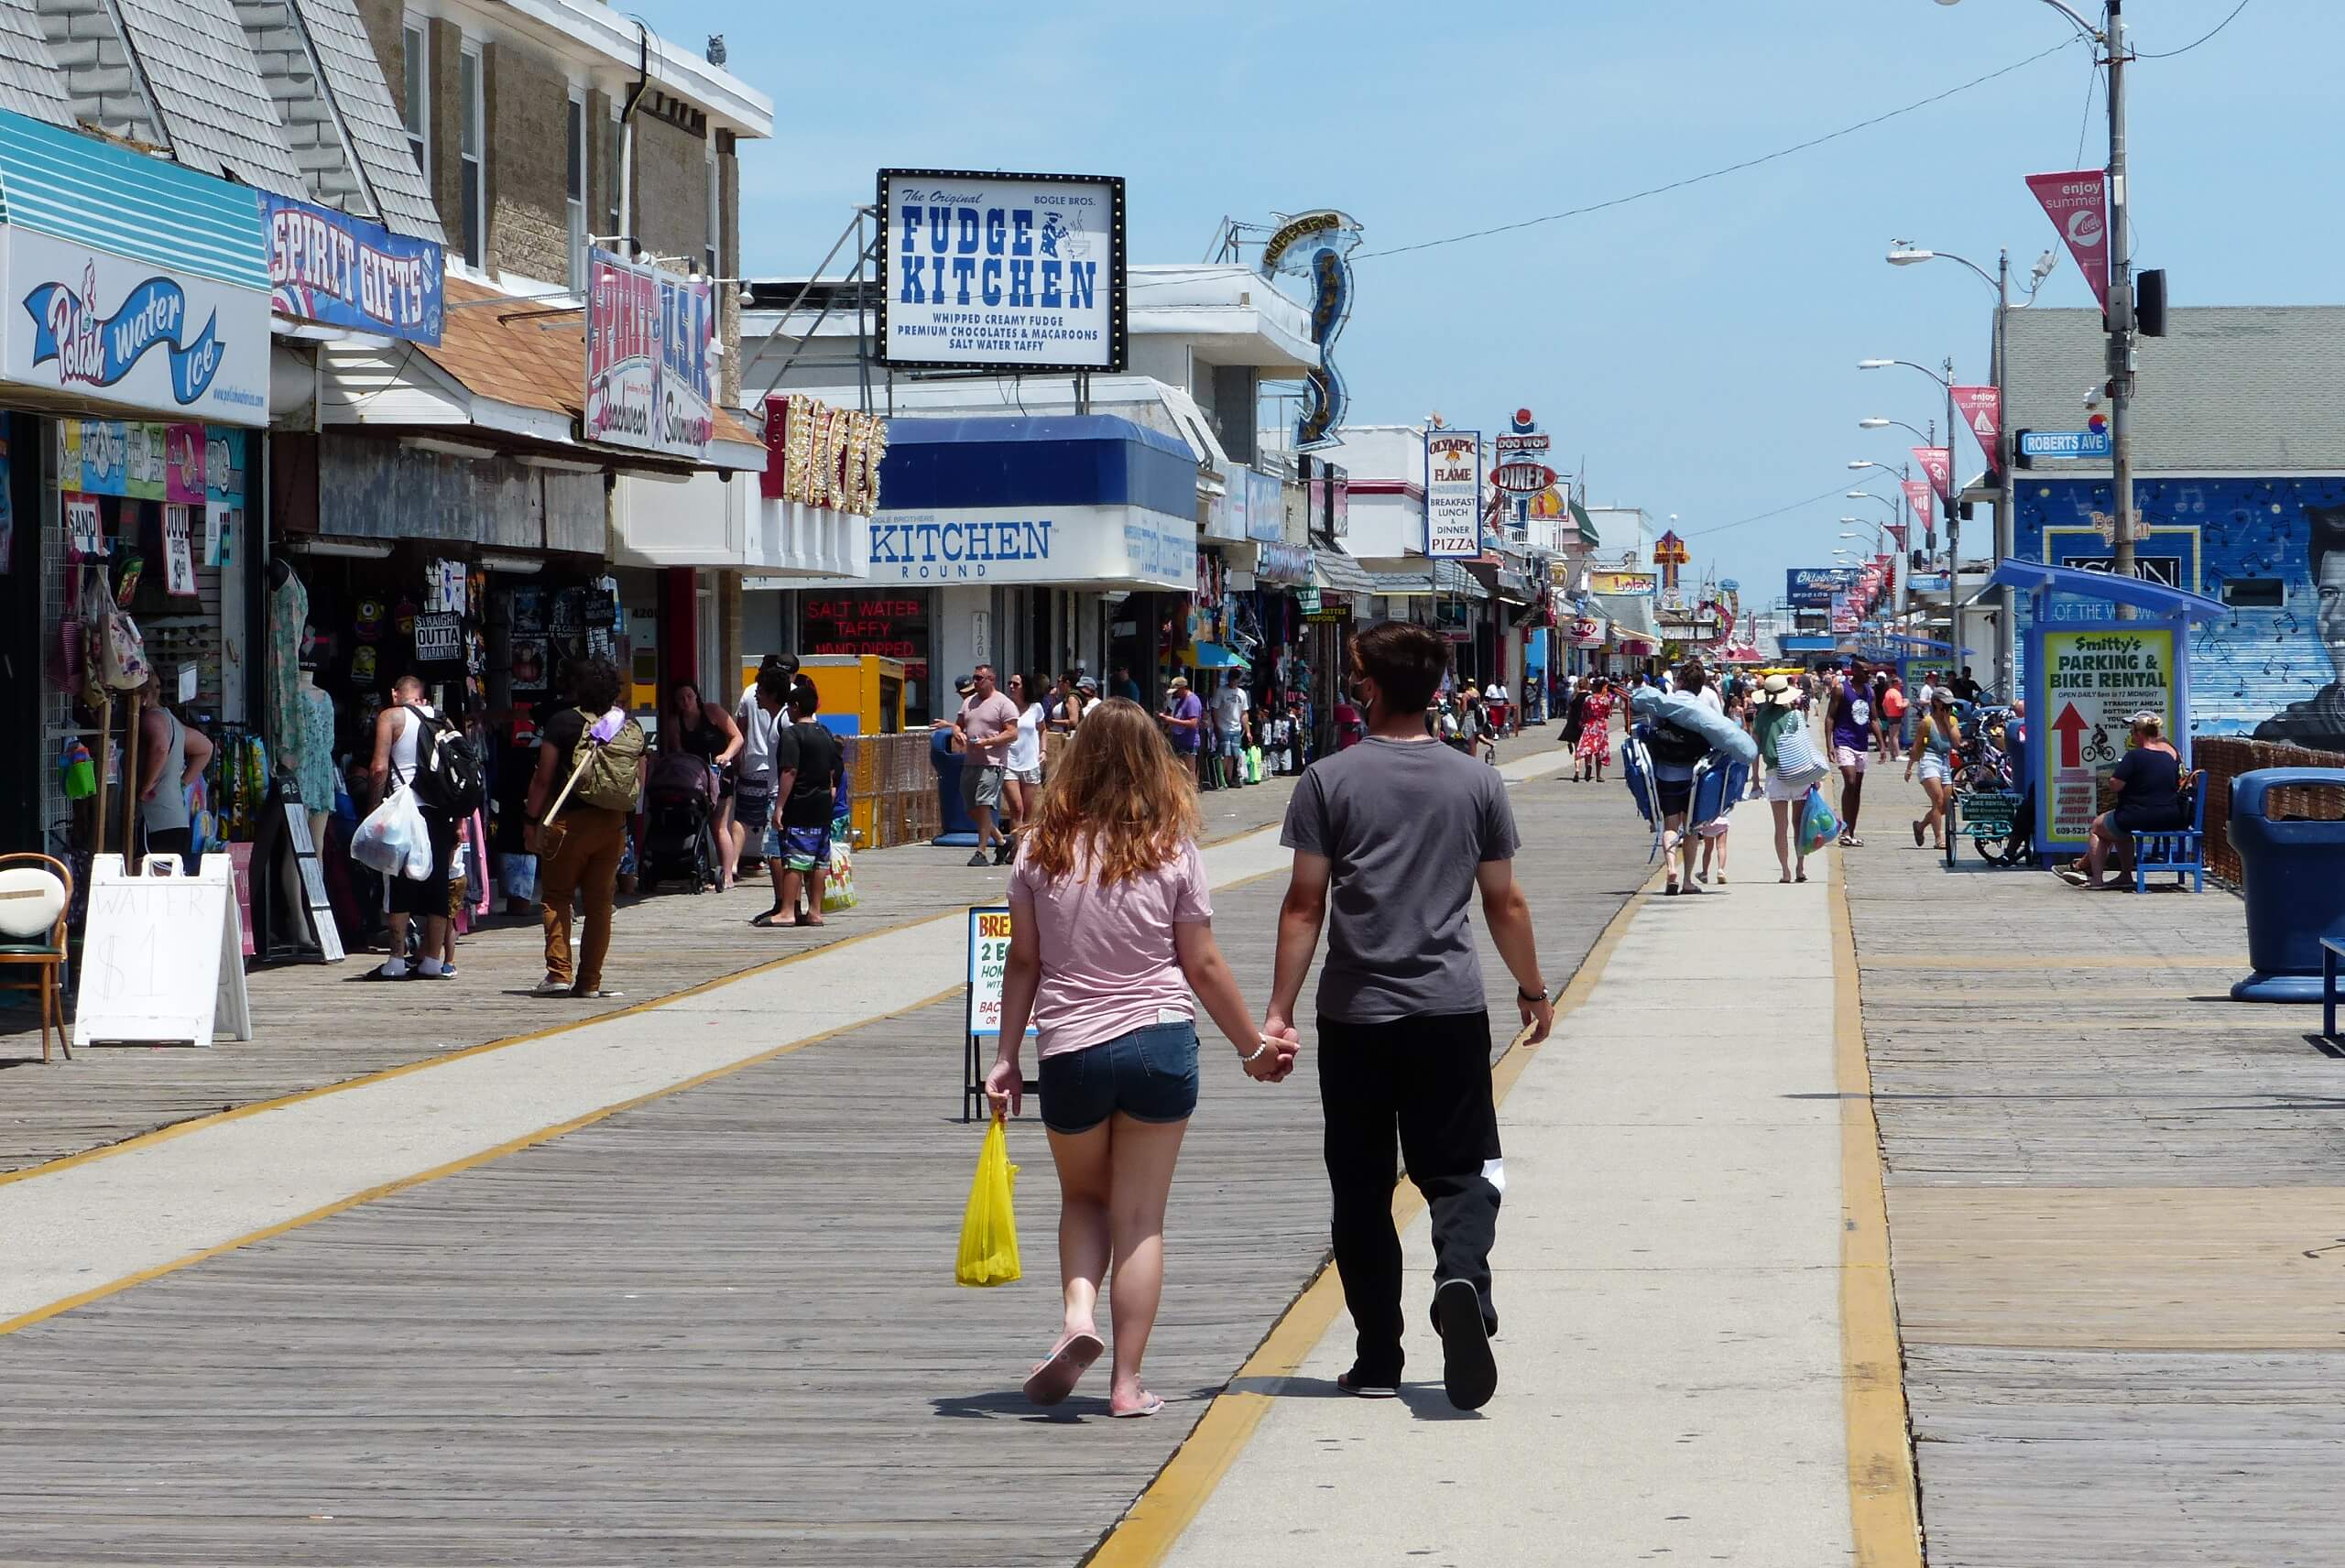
(1846, 757)
(1674, 796)
(1232, 744)
(428, 898)
(1778, 788)
(1023, 774)
(980, 787)
(806, 849)
(753, 804)
(1150, 1074)
(1932, 767)
(1715, 828)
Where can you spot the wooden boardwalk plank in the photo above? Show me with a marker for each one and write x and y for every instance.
(716, 1329)
(2112, 1194)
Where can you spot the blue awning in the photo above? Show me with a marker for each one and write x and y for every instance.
(1064, 461)
(1213, 656)
(109, 198)
(2037, 577)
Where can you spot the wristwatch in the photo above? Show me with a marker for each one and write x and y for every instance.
(1529, 996)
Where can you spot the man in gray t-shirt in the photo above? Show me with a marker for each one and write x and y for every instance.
(1393, 838)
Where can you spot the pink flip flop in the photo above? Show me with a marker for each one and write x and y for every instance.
(1054, 1377)
(1149, 1407)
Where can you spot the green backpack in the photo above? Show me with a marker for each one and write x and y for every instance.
(610, 768)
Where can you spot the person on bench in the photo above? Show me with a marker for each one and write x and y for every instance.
(2148, 782)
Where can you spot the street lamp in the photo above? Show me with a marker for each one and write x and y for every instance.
(1878, 423)
(2110, 39)
(1953, 516)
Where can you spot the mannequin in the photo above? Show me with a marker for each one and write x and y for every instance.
(305, 753)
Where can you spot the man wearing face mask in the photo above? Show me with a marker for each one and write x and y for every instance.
(1393, 838)
(2318, 721)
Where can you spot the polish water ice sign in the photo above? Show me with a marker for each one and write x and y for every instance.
(2096, 680)
(1020, 272)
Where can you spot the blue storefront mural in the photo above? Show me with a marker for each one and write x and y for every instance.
(2273, 550)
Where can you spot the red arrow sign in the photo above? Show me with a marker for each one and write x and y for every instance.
(2070, 727)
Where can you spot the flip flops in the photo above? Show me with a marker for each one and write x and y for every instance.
(1054, 1377)
(1147, 1407)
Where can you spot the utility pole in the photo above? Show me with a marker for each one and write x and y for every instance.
(1953, 528)
(2006, 629)
(2120, 310)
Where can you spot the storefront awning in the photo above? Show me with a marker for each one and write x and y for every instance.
(1451, 578)
(1338, 572)
(1400, 585)
(1213, 656)
(508, 370)
(145, 285)
(1631, 614)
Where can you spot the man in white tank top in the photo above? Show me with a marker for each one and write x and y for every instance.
(395, 732)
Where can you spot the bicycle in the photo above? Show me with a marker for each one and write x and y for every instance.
(2098, 749)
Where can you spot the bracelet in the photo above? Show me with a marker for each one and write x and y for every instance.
(1256, 1056)
(1528, 996)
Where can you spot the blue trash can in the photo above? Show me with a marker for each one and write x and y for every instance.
(960, 829)
(2295, 874)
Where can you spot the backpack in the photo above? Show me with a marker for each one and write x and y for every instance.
(449, 777)
(610, 768)
(1674, 746)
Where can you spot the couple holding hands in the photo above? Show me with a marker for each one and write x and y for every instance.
(1112, 947)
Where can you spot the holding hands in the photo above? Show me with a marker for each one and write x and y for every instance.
(1276, 1052)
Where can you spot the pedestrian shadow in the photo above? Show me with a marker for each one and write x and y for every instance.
(1011, 1402)
(1425, 1402)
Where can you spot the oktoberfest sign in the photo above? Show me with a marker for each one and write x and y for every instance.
(1018, 272)
(1454, 495)
(647, 366)
(340, 271)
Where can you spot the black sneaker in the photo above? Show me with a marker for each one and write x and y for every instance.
(1005, 852)
(1469, 1372)
(979, 859)
(1361, 1386)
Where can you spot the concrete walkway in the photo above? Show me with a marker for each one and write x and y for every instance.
(1668, 1277)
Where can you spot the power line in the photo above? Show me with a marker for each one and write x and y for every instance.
(2169, 54)
(2084, 126)
(1729, 169)
(1778, 512)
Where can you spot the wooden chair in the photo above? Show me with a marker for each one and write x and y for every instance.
(37, 878)
(2182, 851)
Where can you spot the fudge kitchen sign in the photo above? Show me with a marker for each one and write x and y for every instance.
(1107, 544)
(1017, 271)
(123, 332)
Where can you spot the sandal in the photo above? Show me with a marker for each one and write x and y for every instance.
(770, 920)
(381, 973)
(1917, 833)
(1146, 1407)
(1055, 1375)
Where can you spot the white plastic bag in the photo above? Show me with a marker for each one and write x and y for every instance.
(393, 839)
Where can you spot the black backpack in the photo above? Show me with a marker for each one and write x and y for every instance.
(1678, 747)
(449, 777)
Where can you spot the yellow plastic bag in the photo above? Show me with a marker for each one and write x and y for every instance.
(989, 1230)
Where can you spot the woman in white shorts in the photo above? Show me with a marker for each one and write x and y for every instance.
(1021, 768)
(1932, 753)
(1777, 716)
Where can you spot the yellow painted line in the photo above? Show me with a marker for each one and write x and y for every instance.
(1147, 1532)
(237, 1113)
(1883, 1511)
(513, 1146)
(2053, 961)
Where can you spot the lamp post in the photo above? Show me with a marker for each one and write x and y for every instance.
(2111, 40)
(1953, 489)
(2006, 630)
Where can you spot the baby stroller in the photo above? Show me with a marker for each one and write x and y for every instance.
(679, 835)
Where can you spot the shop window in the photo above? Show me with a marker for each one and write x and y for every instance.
(472, 192)
(2255, 593)
(713, 251)
(575, 189)
(415, 100)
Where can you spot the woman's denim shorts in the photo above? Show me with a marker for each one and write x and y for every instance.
(1150, 1074)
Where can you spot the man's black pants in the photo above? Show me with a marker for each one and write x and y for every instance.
(1424, 1082)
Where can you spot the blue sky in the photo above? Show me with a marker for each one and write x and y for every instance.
(1698, 348)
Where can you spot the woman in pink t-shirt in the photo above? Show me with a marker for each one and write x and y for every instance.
(1110, 928)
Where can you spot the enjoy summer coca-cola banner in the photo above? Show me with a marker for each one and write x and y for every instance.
(1938, 461)
(1982, 410)
(2077, 204)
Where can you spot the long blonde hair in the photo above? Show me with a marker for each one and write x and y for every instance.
(1118, 795)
